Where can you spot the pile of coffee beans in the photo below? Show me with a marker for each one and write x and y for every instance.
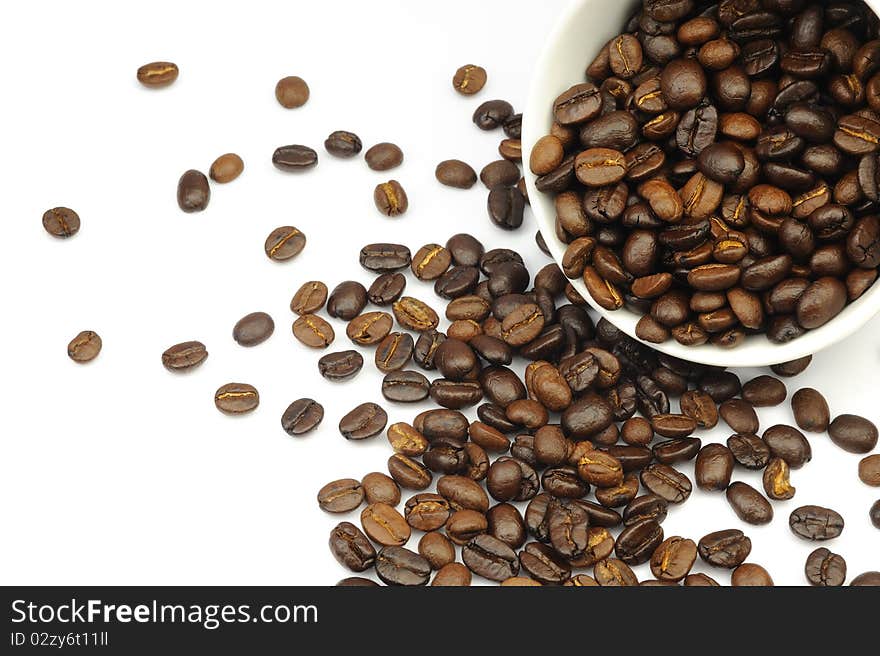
(717, 172)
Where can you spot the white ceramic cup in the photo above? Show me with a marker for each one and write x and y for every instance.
(582, 30)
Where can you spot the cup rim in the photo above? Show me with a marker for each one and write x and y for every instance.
(756, 350)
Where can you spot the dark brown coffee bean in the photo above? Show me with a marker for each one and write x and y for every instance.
(492, 114)
(824, 568)
(394, 352)
(366, 420)
(291, 92)
(500, 173)
(302, 416)
(236, 398)
(156, 75)
(313, 331)
(309, 298)
(666, 482)
(384, 156)
(853, 433)
(670, 452)
(343, 495)
(407, 440)
(390, 198)
(739, 415)
(600, 167)
(464, 525)
(683, 84)
(673, 425)
(673, 559)
(351, 547)
(489, 557)
(505, 207)
(343, 144)
(869, 470)
(347, 300)
(789, 444)
(749, 574)
(543, 564)
(749, 504)
(439, 551)
(409, 473)
(810, 410)
(405, 387)
(614, 573)
(61, 222)
(427, 511)
(455, 173)
(452, 575)
(386, 289)
(294, 158)
(399, 566)
(764, 391)
(380, 488)
(469, 79)
(792, 367)
(284, 243)
(369, 328)
(253, 329)
(714, 467)
(700, 407)
(637, 542)
(85, 347)
(815, 523)
(193, 192)
(340, 365)
(728, 549)
(184, 356)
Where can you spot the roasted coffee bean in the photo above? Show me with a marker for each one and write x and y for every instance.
(366, 420)
(764, 391)
(356, 582)
(426, 348)
(749, 574)
(499, 174)
(464, 525)
(469, 79)
(369, 328)
(193, 192)
(341, 496)
(612, 572)
(405, 386)
(728, 549)
(61, 222)
(390, 198)
(385, 258)
(638, 541)
(543, 564)
(739, 415)
(351, 547)
(670, 452)
(427, 511)
(313, 331)
(673, 425)
(492, 114)
(236, 398)
(700, 580)
(394, 352)
(406, 440)
(291, 92)
(157, 74)
(386, 289)
(384, 156)
(284, 243)
(648, 506)
(462, 492)
(749, 504)
(340, 365)
(409, 473)
(788, 443)
(776, 480)
(184, 356)
(505, 206)
(683, 84)
(439, 551)
(253, 329)
(714, 467)
(824, 568)
(302, 416)
(853, 433)
(343, 144)
(347, 300)
(85, 347)
(792, 367)
(874, 514)
(489, 557)
(869, 470)
(399, 566)
(380, 488)
(810, 410)
(600, 469)
(666, 482)
(294, 158)
(309, 298)
(455, 394)
(750, 451)
(455, 173)
(867, 579)
(507, 525)
(815, 523)
(673, 559)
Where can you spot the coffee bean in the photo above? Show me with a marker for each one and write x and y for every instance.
(379, 488)
(351, 547)
(764, 391)
(874, 514)
(343, 144)
(369, 328)
(749, 574)
(505, 207)
(313, 331)
(85, 347)
(356, 582)
(868, 579)
(464, 525)
(750, 451)
(452, 575)
(815, 523)
(543, 564)
(739, 415)
(810, 410)
(302, 416)
(439, 551)
(673, 559)
(343, 495)
(193, 192)
(291, 92)
(394, 352)
(499, 174)
(683, 84)
(61, 222)
(385, 258)
(366, 420)
(612, 572)
(253, 329)
(427, 512)
(294, 158)
(700, 580)
(853, 433)
(386, 289)
(455, 173)
(399, 566)
(638, 541)
(728, 548)
(226, 168)
(776, 480)
(714, 467)
(184, 356)
(284, 243)
(309, 298)
(789, 444)
(340, 365)
(648, 506)
(469, 79)
(749, 504)
(547, 154)
(157, 74)
(824, 568)
(869, 470)
(390, 198)
(405, 386)
(236, 398)
(793, 367)
(492, 114)
(666, 482)
(384, 156)
(489, 557)
(385, 525)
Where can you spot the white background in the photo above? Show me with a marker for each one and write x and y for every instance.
(119, 472)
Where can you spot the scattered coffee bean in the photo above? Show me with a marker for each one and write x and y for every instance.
(85, 347)
(384, 156)
(313, 331)
(384, 525)
(810, 410)
(284, 243)
(380, 488)
(749, 504)
(750, 575)
(853, 433)
(455, 173)
(309, 298)
(157, 74)
(302, 416)
(226, 168)
(343, 144)
(824, 568)
(366, 420)
(390, 198)
(252, 329)
(193, 192)
(61, 222)
(292, 92)
(184, 356)
(469, 79)
(399, 566)
(869, 470)
(815, 523)
(294, 158)
(728, 548)
(236, 398)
